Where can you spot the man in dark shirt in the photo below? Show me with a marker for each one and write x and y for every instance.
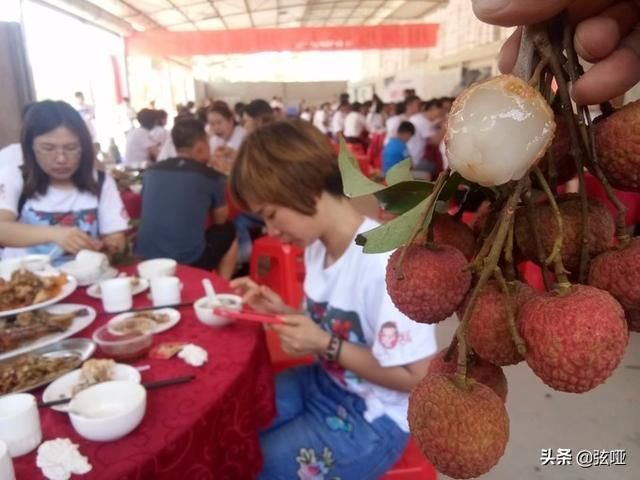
(180, 196)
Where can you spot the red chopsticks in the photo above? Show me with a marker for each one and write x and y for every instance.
(250, 316)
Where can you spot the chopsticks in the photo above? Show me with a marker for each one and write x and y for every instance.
(250, 316)
(146, 309)
(167, 382)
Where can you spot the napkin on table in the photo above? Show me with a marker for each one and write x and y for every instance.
(194, 355)
(60, 458)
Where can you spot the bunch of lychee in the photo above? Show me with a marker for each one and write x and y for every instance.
(572, 337)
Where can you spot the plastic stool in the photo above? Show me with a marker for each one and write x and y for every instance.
(411, 466)
(280, 267)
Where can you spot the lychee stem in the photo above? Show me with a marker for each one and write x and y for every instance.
(511, 316)
(578, 151)
(428, 209)
(555, 257)
(510, 269)
(586, 129)
(532, 221)
(490, 263)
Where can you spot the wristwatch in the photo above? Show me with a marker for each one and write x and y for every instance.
(332, 354)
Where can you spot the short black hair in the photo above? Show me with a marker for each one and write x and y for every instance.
(411, 99)
(407, 127)
(258, 108)
(161, 115)
(400, 108)
(147, 118)
(79, 94)
(239, 108)
(434, 102)
(187, 132)
(356, 106)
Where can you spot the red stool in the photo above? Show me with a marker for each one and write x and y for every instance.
(411, 466)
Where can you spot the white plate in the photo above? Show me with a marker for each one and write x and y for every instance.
(67, 289)
(63, 386)
(174, 318)
(94, 291)
(78, 324)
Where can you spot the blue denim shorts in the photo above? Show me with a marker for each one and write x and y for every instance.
(320, 432)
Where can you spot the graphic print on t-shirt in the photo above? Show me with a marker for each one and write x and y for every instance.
(347, 326)
(85, 220)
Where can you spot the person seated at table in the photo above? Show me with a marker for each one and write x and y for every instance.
(344, 416)
(179, 197)
(57, 198)
(226, 136)
(142, 148)
(396, 150)
(257, 114)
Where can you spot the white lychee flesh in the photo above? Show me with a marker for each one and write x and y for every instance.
(497, 130)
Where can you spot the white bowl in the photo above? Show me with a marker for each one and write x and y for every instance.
(159, 267)
(108, 411)
(35, 262)
(84, 274)
(205, 314)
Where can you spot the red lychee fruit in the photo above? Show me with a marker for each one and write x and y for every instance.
(618, 146)
(463, 432)
(449, 231)
(488, 334)
(565, 167)
(433, 284)
(601, 230)
(574, 340)
(618, 272)
(482, 372)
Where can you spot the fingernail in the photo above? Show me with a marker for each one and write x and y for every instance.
(489, 6)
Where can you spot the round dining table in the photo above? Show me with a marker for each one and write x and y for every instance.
(206, 429)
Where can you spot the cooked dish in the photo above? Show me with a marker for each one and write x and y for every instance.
(140, 322)
(29, 371)
(94, 371)
(25, 288)
(29, 326)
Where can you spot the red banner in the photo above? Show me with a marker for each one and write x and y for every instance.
(160, 43)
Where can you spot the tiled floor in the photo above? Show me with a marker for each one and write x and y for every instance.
(606, 418)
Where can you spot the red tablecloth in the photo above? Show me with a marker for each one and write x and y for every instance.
(204, 430)
(132, 203)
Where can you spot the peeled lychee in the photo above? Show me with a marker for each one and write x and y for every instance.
(618, 146)
(449, 231)
(433, 284)
(463, 433)
(574, 340)
(601, 230)
(618, 272)
(497, 129)
(482, 372)
(488, 334)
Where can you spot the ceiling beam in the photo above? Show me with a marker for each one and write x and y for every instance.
(140, 13)
(333, 7)
(374, 13)
(248, 9)
(357, 6)
(217, 12)
(178, 9)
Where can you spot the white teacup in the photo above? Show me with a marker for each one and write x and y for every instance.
(6, 465)
(165, 291)
(116, 295)
(19, 423)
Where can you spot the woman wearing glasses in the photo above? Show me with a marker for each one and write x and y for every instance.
(57, 203)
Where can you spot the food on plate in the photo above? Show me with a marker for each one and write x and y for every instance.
(140, 322)
(94, 371)
(28, 371)
(166, 350)
(25, 288)
(29, 326)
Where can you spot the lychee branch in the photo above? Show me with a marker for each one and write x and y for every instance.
(490, 263)
(511, 316)
(428, 210)
(508, 253)
(578, 150)
(531, 220)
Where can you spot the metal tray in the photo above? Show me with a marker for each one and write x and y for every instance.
(80, 348)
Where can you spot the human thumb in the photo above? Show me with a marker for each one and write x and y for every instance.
(508, 13)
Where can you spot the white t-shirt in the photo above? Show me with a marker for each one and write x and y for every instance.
(375, 122)
(159, 135)
(236, 139)
(87, 113)
(350, 299)
(139, 141)
(306, 116)
(11, 156)
(62, 207)
(417, 144)
(354, 124)
(337, 122)
(168, 150)
(320, 121)
(393, 123)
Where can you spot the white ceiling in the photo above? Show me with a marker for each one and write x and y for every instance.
(180, 15)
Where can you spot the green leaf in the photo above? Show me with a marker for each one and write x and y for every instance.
(355, 183)
(392, 234)
(400, 172)
(403, 196)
